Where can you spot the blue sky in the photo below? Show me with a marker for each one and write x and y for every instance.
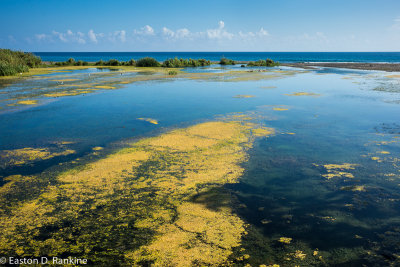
(218, 25)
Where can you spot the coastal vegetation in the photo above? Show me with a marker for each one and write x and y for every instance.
(179, 63)
(14, 62)
(263, 63)
(226, 61)
(172, 72)
(147, 62)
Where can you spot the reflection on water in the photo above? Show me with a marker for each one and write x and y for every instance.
(324, 190)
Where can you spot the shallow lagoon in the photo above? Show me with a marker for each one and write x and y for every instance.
(339, 117)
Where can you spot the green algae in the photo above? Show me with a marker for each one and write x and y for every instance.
(150, 120)
(27, 102)
(158, 201)
(27, 155)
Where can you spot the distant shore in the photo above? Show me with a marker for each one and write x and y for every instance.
(391, 67)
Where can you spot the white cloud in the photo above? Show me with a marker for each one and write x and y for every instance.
(220, 32)
(60, 36)
(262, 32)
(179, 34)
(182, 33)
(167, 32)
(147, 33)
(122, 36)
(68, 36)
(118, 36)
(146, 30)
(92, 36)
(40, 36)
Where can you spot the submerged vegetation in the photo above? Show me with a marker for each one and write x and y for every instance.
(159, 201)
(14, 62)
(263, 63)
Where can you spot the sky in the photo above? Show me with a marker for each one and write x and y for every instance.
(207, 25)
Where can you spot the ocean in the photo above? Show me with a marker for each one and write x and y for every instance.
(286, 57)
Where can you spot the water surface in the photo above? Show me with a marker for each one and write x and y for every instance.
(346, 117)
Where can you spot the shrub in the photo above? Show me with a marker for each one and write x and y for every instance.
(147, 62)
(172, 72)
(13, 62)
(131, 62)
(267, 63)
(99, 63)
(112, 62)
(226, 61)
(180, 63)
(71, 61)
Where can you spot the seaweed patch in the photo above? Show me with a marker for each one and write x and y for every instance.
(159, 201)
(150, 120)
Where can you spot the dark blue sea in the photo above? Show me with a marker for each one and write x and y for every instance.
(238, 56)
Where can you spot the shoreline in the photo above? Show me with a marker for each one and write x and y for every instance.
(389, 67)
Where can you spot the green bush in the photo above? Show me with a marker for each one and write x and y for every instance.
(13, 62)
(71, 61)
(131, 62)
(172, 72)
(147, 62)
(180, 63)
(226, 61)
(99, 63)
(112, 62)
(266, 63)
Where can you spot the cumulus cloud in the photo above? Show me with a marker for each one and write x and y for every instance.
(60, 36)
(182, 33)
(178, 34)
(92, 36)
(220, 32)
(118, 36)
(146, 33)
(167, 32)
(261, 33)
(68, 36)
(121, 35)
(40, 36)
(146, 30)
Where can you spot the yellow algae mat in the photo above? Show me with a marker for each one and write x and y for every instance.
(160, 201)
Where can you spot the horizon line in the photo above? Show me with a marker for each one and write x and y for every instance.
(213, 51)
